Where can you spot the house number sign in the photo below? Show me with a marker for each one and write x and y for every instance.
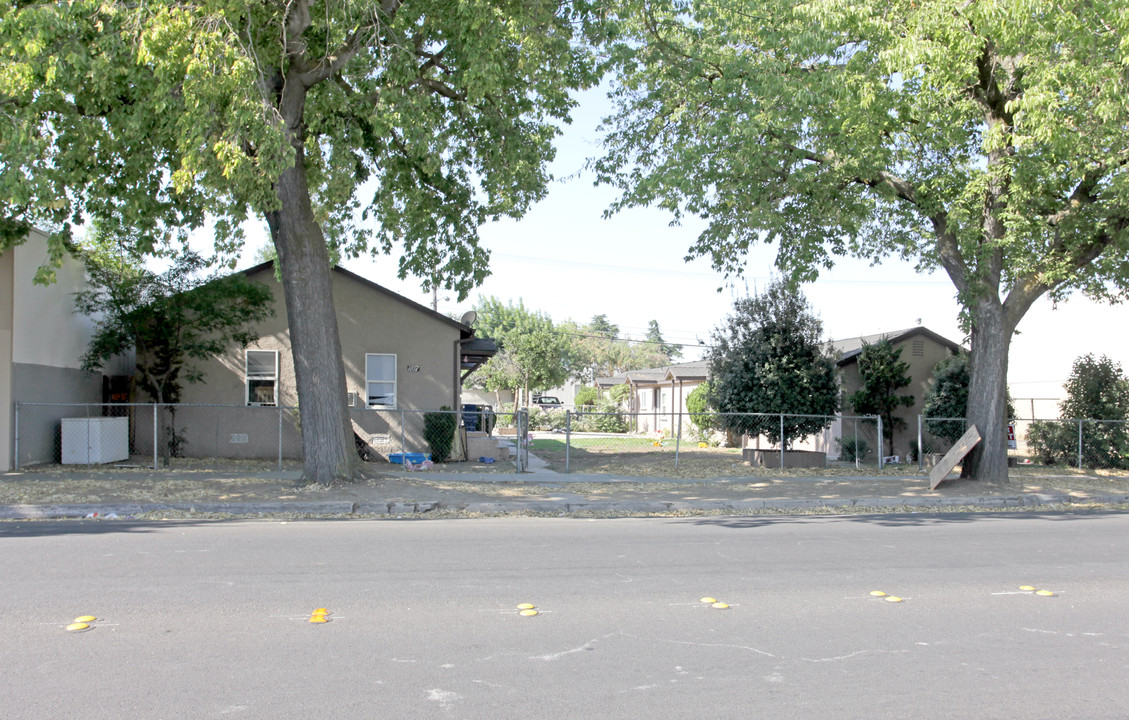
(413, 368)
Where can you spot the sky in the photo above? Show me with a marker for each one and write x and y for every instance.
(565, 259)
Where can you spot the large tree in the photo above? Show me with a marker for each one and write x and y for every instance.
(984, 138)
(361, 125)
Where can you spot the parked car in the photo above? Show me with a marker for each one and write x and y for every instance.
(548, 401)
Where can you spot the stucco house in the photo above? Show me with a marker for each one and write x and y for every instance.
(659, 394)
(41, 339)
(401, 360)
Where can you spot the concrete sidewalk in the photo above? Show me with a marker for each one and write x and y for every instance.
(401, 495)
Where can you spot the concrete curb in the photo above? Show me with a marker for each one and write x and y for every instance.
(344, 508)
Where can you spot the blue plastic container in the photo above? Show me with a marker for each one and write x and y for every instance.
(413, 458)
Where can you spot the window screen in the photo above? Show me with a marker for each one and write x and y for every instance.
(262, 377)
(380, 380)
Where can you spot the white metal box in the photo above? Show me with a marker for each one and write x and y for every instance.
(91, 441)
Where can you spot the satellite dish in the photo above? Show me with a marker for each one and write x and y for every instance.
(468, 317)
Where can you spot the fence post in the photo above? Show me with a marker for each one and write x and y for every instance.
(781, 441)
(1079, 444)
(280, 438)
(568, 436)
(155, 435)
(678, 440)
(519, 438)
(881, 449)
(856, 440)
(16, 464)
(920, 448)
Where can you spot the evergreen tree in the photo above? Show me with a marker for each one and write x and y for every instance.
(883, 373)
(768, 357)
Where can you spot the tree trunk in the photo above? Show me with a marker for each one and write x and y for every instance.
(327, 438)
(987, 392)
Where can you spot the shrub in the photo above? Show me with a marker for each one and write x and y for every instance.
(543, 419)
(698, 402)
(439, 431)
(1053, 442)
(852, 449)
(585, 396)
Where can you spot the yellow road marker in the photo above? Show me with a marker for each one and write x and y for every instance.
(529, 612)
(321, 611)
(1026, 587)
(85, 619)
(73, 627)
(318, 619)
(526, 606)
(893, 598)
(1044, 593)
(877, 593)
(720, 606)
(708, 600)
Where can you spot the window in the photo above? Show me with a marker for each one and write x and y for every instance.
(380, 380)
(262, 377)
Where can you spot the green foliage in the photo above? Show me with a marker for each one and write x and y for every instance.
(586, 397)
(1097, 390)
(607, 417)
(439, 431)
(947, 397)
(417, 123)
(654, 336)
(768, 357)
(547, 419)
(852, 449)
(596, 351)
(366, 126)
(1053, 442)
(882, 373)
(170, 319)
(986, 139)
(698, 404)
(532, 353)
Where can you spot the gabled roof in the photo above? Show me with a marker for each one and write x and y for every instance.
(694, 370)
(465, 330)
(847, 351)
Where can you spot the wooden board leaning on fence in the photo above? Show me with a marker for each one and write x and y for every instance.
(954, 456)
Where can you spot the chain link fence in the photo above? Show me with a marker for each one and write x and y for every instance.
(153, 435)
(1082, 444)
(585, 441)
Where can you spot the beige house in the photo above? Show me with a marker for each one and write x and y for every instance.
(921, 349)
(658, 395)
(401, 359)
(41, 339)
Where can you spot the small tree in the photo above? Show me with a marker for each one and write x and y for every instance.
(883, 373)
(533, 352)
(655, 337)
(768, 357)
(169, 319)
(947, 397)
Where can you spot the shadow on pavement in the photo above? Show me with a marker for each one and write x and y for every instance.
(908, 519)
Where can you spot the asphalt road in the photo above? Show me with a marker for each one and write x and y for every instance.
(211, 619)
